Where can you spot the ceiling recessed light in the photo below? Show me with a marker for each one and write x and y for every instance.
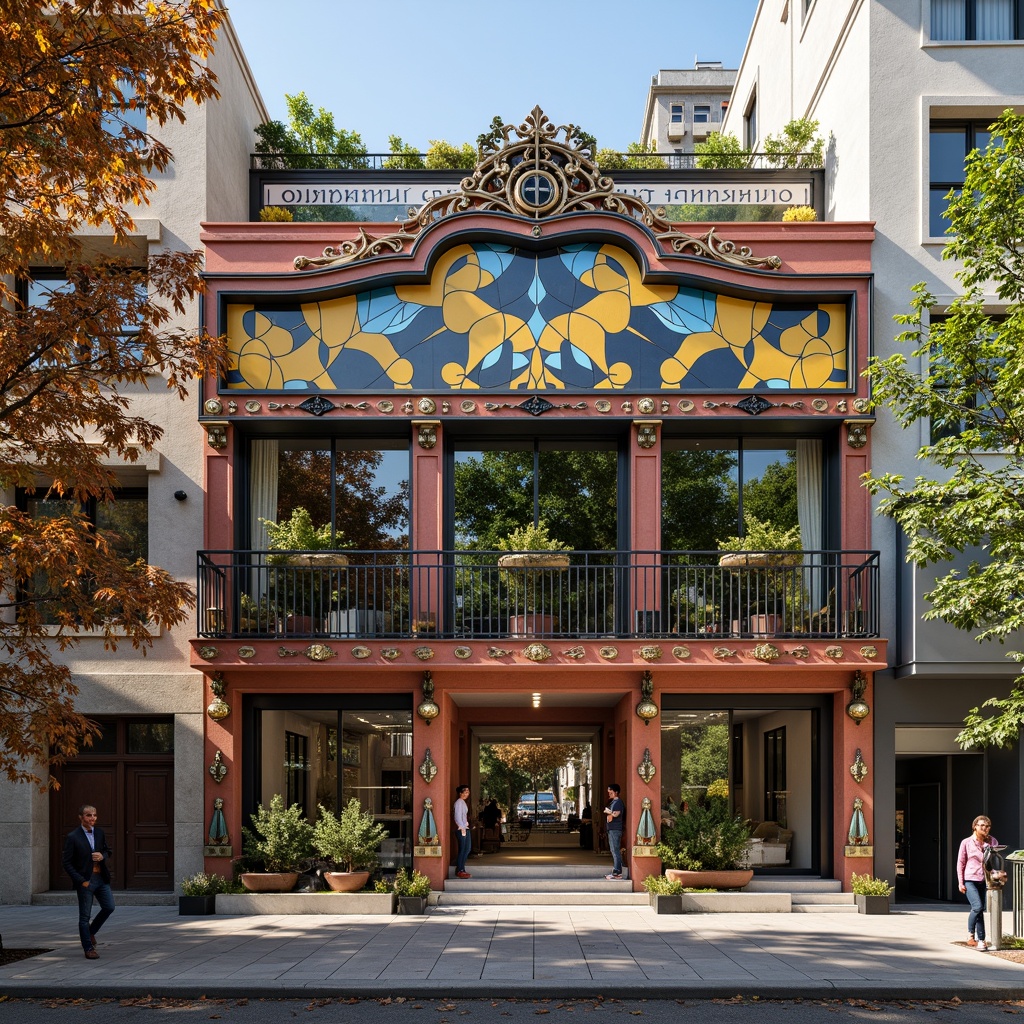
(534, 738)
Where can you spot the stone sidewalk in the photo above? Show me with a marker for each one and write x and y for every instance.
(629, 952)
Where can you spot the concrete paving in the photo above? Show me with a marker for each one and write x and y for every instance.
(502, 951)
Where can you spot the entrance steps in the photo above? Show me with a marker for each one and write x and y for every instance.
(584, 885)
(538, 885)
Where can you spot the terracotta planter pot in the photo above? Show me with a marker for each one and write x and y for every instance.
(531, 624)
(270, 881)
(734, 878)
(346, 881)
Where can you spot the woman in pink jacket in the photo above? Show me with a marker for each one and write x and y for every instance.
(970, 870)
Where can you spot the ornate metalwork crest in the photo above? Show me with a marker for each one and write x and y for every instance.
(317, 405)
(537, 652)
(533, 171)
(428, 769)
(646, 769)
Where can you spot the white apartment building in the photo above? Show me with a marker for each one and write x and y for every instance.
(903, 89)
(145, 774)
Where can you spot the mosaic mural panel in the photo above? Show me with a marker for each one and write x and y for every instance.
(575, 318)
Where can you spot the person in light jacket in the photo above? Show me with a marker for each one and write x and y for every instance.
(970, 871)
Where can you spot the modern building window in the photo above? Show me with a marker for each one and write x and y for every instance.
(750, 123)
(949, 144)
(123, 523)
(701, 113)
(676, 113)
(977, 19)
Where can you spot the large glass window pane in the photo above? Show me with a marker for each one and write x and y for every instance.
(699, 494)
(993, 19)
(947, 148)
(151, 737)
(124, 523)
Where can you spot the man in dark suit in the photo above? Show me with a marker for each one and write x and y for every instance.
(85, 860)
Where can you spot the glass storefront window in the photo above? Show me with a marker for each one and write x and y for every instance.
(326, 757)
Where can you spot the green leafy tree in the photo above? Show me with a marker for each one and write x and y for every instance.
(798, 145)
(444, 155)
(500, 780)
(721, 152)
(704, 756)
(404, 156)
(537, 761)
(972, 498)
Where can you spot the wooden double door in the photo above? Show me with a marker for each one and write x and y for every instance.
(134, 799)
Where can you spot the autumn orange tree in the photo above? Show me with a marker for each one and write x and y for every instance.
(536, 760)
(85, 87)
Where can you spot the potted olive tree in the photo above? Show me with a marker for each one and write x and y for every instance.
(280, 839)
(350, 842)
(412, 891)
(528, 570)
(700, 848)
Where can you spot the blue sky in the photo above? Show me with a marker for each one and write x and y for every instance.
(440, 69)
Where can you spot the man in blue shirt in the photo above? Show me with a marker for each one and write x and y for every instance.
(615, 822)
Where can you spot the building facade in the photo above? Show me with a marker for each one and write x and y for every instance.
(538, 351)
(903, 90)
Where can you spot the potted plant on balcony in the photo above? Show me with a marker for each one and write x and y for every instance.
(199, 893)
(303, 584)
(280, 839)
(412, 891)
(872, 894)
(700, 848)
(528, 571)
(766, 558)
(350, 842)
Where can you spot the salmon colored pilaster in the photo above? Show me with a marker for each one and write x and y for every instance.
(856, 505)
(642, 737)
(220, 735)
(217, 506)
(436, 737)
(645, 506)
(849, 737)
(426, 498)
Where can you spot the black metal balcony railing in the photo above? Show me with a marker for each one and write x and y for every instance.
(598, 594)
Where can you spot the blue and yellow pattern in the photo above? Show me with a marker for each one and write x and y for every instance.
(577, 318)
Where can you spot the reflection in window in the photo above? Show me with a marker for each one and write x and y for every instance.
(325, 757)
(151, 737)
(573, 489)
(949, 144)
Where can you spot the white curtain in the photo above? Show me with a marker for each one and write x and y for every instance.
(809, 486)
(994, 19)
(949, 19)
(262, 502)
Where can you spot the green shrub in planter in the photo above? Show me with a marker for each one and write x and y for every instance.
(203, 884)
(707, 837)
(865, 885)
(659, 885)
(416, 884)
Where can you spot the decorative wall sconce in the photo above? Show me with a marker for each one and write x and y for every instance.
(647, 709)
(857, 432)
(858, 708)
(218, 708)
(427, 709)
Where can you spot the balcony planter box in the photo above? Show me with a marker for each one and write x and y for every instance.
(196, 906)
(664, 904)
(872, 904)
